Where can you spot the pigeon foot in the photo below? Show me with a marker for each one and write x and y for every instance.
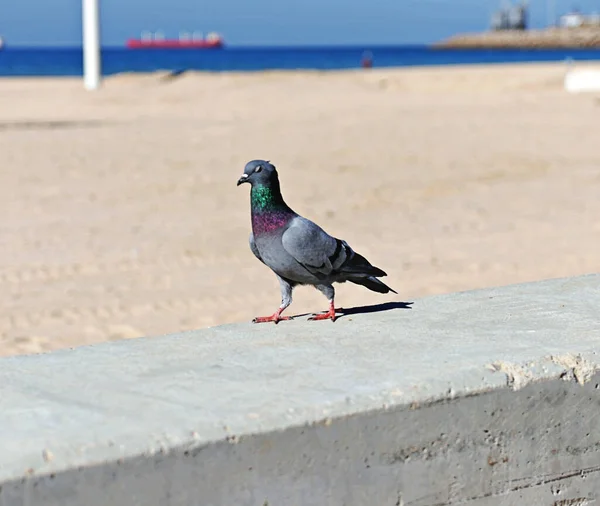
(275, 318)
(329, 315)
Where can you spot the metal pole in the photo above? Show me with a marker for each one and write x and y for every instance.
(91, 44)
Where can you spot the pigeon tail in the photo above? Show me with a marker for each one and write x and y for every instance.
(373, 283)
(358, 264)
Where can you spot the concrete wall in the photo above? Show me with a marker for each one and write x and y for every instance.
(489, 397)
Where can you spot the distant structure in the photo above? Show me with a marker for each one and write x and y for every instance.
(510, 17)
(593, 19)
(186, 40)
(508, 27)
(576, 19)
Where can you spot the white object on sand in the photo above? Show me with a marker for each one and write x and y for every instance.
(91, 44)
(582, 80)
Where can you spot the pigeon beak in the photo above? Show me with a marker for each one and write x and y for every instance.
(243, 179)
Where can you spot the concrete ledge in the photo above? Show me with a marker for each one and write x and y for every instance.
(487, 397)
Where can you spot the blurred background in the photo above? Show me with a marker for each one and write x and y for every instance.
(435, 137)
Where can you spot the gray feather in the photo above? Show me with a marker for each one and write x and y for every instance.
(325, 256)
(372, 283)
(254, 248)
(310, 246)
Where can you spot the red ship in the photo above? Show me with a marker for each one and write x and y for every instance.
(185, 41)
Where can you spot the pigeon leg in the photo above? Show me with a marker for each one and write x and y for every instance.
(286, 300)
(275, 317)
(329, 315)
(329, 292)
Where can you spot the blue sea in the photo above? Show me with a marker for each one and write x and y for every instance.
(68, 61)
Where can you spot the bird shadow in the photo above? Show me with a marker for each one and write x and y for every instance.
(375, 308)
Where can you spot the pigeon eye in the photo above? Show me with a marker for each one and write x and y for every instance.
(258, 169)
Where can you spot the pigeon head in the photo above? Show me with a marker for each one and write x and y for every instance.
(258, 172)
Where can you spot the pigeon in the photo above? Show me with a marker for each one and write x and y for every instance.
(297, 250)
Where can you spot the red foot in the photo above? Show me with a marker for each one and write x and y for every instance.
(330, 315)
(275, 318)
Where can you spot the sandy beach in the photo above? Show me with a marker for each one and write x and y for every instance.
(121, 215)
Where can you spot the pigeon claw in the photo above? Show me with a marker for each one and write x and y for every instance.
(275, 318)
(329, 315)
(324, 316)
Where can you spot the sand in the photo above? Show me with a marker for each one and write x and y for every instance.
(121, 216)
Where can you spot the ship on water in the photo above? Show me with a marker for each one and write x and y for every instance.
(195, 40)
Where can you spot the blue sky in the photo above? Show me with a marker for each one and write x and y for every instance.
(262, 22)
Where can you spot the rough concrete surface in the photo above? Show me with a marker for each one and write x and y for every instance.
(488, 397)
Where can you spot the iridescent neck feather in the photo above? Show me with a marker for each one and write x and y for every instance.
(264, 198)
(269, 211)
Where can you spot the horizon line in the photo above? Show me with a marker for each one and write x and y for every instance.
(354, 45)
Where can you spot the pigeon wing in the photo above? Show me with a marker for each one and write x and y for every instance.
(323, 255)
(313, 248)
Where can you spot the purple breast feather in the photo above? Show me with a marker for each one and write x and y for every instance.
(268, 222)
